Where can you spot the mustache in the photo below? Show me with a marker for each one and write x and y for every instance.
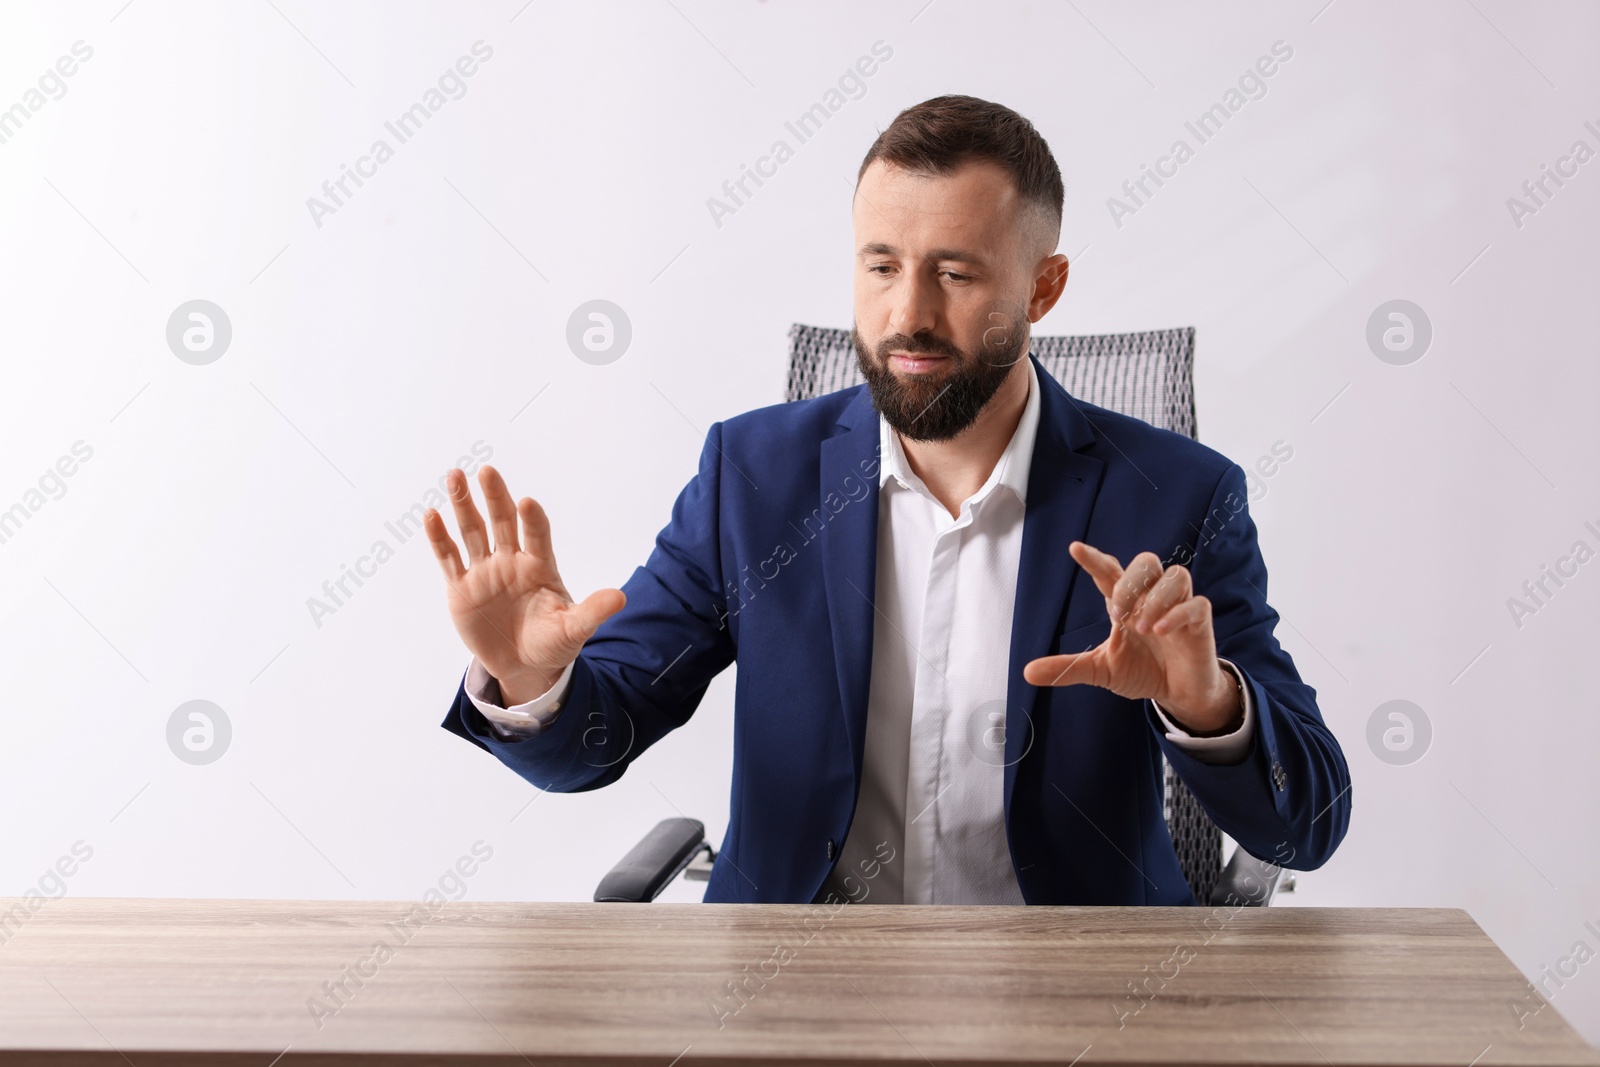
(912, 346)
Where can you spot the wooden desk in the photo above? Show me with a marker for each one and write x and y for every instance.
(141, 981)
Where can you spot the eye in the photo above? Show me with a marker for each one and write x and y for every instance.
(877, 267)
(953, 276)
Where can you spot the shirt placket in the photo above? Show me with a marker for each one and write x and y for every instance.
(930, 710)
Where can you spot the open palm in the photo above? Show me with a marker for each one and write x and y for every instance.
(510, 605)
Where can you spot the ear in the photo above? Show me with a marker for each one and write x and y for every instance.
(1049, 279)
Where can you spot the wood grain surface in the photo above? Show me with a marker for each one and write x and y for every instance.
(151, 982)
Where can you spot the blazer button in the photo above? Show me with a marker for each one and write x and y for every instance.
(830, 849)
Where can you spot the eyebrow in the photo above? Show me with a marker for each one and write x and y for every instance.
(879, 248)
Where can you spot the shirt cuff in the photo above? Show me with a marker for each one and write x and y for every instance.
(520, 720)
(1225, 748)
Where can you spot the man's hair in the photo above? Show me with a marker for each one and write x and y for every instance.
(937, 136)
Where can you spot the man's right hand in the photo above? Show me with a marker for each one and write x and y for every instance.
(510, 606)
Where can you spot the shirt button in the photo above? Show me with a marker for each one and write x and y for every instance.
(830, 849)
(1279, 778)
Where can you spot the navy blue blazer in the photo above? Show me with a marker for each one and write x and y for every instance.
(770, 558)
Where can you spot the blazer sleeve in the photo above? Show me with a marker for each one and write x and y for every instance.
(645, 669)
(1288, 801)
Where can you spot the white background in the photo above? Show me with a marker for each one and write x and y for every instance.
(372, 351)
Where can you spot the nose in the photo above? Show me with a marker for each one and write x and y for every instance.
(914, 307)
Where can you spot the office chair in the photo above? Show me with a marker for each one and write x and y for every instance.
(1147, 375)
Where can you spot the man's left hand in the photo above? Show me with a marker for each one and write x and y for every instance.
(1161, 646)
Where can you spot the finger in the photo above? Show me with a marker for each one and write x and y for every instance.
(1102, 567)
(1144, 570)
(473, 534)
(443, 546)
(597, 607)
(1080, 668)
(536, 531)
(1172, 589)
(502, 512)
(1194, 613)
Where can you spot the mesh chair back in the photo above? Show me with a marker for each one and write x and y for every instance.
(1148, 375)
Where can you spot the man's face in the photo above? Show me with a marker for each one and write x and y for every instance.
(944, 275)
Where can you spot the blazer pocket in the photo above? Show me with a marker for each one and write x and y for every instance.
(1083, 638)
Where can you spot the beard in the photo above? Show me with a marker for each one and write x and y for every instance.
(938, 406)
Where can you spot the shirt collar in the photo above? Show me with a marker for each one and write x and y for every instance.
(1010, 471)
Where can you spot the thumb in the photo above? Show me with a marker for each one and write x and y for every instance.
(596, 608)
(1078, 668)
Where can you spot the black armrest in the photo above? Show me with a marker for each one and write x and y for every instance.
(641, 875)
(1247, 881)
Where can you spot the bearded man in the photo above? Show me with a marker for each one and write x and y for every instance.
(960, 660)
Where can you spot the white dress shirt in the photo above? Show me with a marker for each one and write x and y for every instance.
(933, 768)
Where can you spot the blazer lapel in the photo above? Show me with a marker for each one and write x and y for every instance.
(1062, 486)
(850, 558)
